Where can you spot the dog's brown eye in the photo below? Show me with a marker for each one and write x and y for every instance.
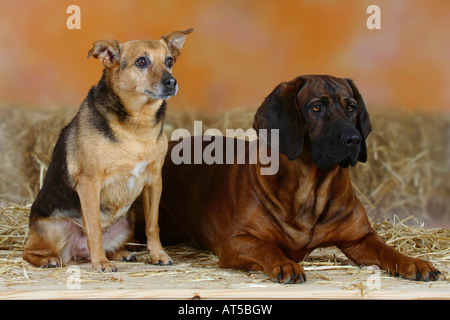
(142, 62)
(316, 108)
(351, 108)
(169, 62)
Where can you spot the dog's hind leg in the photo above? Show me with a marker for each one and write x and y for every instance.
(42, 250)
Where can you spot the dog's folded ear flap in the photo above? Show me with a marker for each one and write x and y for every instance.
(362, 122)
(108, 51)
(175, 41)
(280, 111)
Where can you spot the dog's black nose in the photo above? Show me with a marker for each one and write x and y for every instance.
(169, 82)
(351, 138)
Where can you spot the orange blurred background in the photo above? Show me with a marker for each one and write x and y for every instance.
(239, 51)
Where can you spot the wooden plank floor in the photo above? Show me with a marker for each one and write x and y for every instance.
(197, 276)
(224, 294)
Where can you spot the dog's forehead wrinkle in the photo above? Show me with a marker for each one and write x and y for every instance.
(136, 48)
(330, 89)
(330, 92)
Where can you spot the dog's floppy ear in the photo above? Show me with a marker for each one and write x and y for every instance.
(280, 111)
(362, 122)
(175, 41)
(108, 51)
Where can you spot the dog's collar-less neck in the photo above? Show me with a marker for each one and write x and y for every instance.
(303, 170)
(124, 110)
(109, 100)
(102, 101)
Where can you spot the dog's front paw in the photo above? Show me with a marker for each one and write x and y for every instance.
(288, 272)
(415, 269)
(104, 266)
(121, 255)
(160, 258)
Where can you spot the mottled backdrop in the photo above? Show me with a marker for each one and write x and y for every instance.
(239, 51)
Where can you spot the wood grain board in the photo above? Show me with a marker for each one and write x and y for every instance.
(198, 276)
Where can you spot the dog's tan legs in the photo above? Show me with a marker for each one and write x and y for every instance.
(89, 192)
(121, 255)
(47, 242)
(38, 252)
(151, 197)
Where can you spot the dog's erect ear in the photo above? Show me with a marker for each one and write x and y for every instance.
(280, 111)
(175, 41)
(108, 51)
(362, 122)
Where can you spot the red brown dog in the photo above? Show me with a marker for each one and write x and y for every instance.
(271, 222)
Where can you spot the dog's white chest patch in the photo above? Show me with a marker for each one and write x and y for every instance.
(137, 171)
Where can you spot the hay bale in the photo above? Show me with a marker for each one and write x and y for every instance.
(27, 139)
(414, 240)
(408, 171)
(14, 226)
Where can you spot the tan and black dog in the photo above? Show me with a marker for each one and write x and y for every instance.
(110, 153)
(272, 222)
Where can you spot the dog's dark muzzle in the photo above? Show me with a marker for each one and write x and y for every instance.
(351, 138)
(342, 147)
